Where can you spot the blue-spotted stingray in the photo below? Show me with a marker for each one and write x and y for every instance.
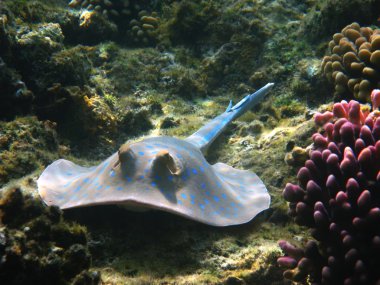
(165, 173)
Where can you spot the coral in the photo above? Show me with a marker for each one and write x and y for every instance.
(87, 115)
(32, 247)
(107, 8)
(16, 98)
(337, 197)
(140, 26)
(328, 16)
(354, 63)
(25, 145)
(144, 28)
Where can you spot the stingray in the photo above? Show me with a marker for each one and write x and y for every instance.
(167, 174)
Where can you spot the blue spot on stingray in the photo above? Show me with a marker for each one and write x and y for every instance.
(154, 152)
(179, 155)
(107, 187)
(104, 167)
(160, 188)
(59, 197)
(99, 187)
(183, 195)
(221, 209)
(141, 153)
(119, 188)
(77, 189)
(201, 169)
(146, 170)
(153, 184)
(86, 180)
(224, 196)
(192, 199)
(207, 201)
(129, 179)
(141, 177)
(216, 198)
(194, 171)
(202, 206)
(157, 177)
(208, 193)
(170, 177)
(203, 185)
(112, 173)
(149, 146)
(218, 184)
(180, 202)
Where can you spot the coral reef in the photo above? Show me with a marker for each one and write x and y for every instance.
(328, 16)
(99, 80)
(38, 246)
(132, 18)
(354, 63)
(337, 197)
(26, 144)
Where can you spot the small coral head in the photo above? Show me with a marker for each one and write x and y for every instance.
(375, 98)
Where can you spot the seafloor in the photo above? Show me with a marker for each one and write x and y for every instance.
(76, 84)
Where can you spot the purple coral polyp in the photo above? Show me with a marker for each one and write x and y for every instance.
(338, 197)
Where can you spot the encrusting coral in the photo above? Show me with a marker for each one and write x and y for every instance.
(354, 63)
(38, 246)
(130, 16)
(337, 197)
(25, 145)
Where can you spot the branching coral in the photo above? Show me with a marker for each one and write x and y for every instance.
(354, 64)
(338, 198)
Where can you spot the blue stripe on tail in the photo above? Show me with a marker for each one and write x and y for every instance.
(208, 133)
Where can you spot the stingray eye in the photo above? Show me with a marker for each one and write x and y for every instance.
(165, 159)
(126, 156)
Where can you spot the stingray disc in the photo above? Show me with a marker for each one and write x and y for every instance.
(161, 173)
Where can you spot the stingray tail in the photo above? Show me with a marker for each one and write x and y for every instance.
(208, 133)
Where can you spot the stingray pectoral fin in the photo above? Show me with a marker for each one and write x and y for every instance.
(57, 177)
(65, 184)
(246, 189)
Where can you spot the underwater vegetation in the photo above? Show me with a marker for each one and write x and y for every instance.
(337, 198)
(38, 246)
(26, 144)
(354, 63)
